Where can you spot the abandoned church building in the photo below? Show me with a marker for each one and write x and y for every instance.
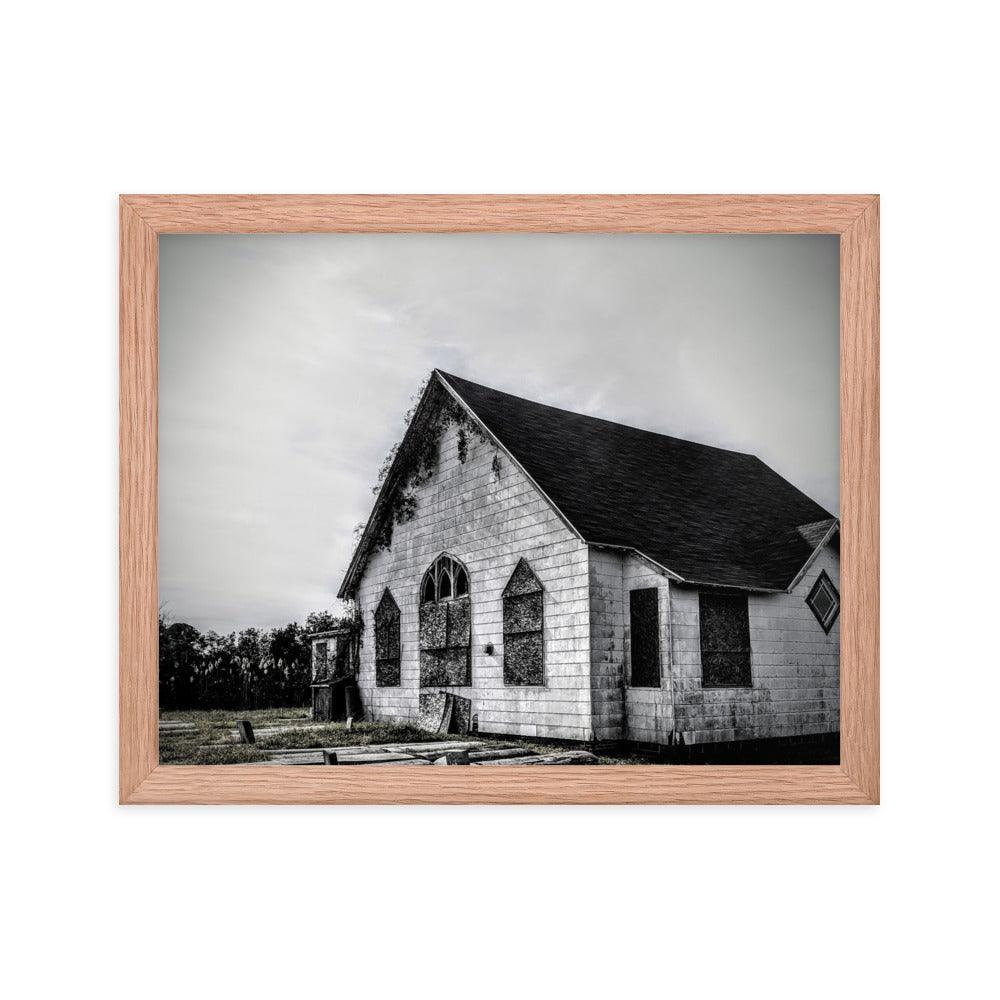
(580, 580)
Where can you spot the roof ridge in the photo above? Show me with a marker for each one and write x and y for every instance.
(587, 416)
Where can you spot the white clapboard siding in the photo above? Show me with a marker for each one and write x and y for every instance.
(488, 524)
(795, 665)
(621, 711)
(795, 668)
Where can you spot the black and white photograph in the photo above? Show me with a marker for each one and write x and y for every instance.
(499, 499)
(508, 488)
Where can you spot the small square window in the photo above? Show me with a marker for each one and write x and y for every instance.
(824, 601)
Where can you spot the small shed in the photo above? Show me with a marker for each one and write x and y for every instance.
(334, 687)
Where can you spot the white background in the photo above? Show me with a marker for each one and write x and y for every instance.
(575, 902)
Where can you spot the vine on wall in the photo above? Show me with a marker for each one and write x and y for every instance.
(418, 463)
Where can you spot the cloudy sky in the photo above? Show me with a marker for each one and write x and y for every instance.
(287, 363)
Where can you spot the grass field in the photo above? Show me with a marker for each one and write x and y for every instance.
(188, 746)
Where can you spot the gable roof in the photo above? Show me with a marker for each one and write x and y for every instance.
(706, 515)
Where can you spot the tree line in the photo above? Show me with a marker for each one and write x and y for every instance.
(254, 668)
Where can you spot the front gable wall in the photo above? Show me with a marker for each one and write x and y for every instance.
(487, 514)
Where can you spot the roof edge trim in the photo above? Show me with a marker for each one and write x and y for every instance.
(831, 531)
(733, 586)
(676, 577)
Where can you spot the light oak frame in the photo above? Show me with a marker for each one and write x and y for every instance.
(854, 217)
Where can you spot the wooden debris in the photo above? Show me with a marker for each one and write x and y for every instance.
(449, 706)
(425, 748)
(270, 730)
(461, 715)
(569, 757)
(369, 758)
(478, 756)
(477, 753)
(245, 731)
(291, 761)
(408, 762)
(431, 710)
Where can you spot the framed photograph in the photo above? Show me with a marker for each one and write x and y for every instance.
(623, 547)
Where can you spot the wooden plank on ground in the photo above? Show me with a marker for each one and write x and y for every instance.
(277, 730)
(570, 757)
(498, 753)
(431, 747)
(371, 758)
(408, 762)
(296, 761)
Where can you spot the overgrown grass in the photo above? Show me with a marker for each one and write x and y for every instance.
(188, 746)
(238, 754)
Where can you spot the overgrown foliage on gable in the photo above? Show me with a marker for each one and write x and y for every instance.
(412, 461)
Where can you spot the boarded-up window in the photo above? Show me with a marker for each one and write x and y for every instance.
(522, 628)
(644, 632)
(387, 642)
(445, 625)
(725, 640)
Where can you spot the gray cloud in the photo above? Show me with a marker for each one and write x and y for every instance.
(287, 362)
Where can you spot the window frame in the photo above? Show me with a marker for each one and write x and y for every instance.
(823, 580)
(743, 686)
(510, 595)
(658, 657)
(445, 567)
(395, 615)
(321, 659)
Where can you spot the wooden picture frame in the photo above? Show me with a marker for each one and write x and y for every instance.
(854, 217)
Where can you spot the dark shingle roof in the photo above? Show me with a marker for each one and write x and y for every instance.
(709, 515)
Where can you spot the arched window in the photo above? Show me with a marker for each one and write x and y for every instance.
(445, 624)
(387, 641)
(522, 628)
(446, 579)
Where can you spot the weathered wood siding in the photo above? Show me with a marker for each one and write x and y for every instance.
(795, 667)
(795, 664)
(649, 711)
(607, 637)
(644, 714)
(488, 523)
